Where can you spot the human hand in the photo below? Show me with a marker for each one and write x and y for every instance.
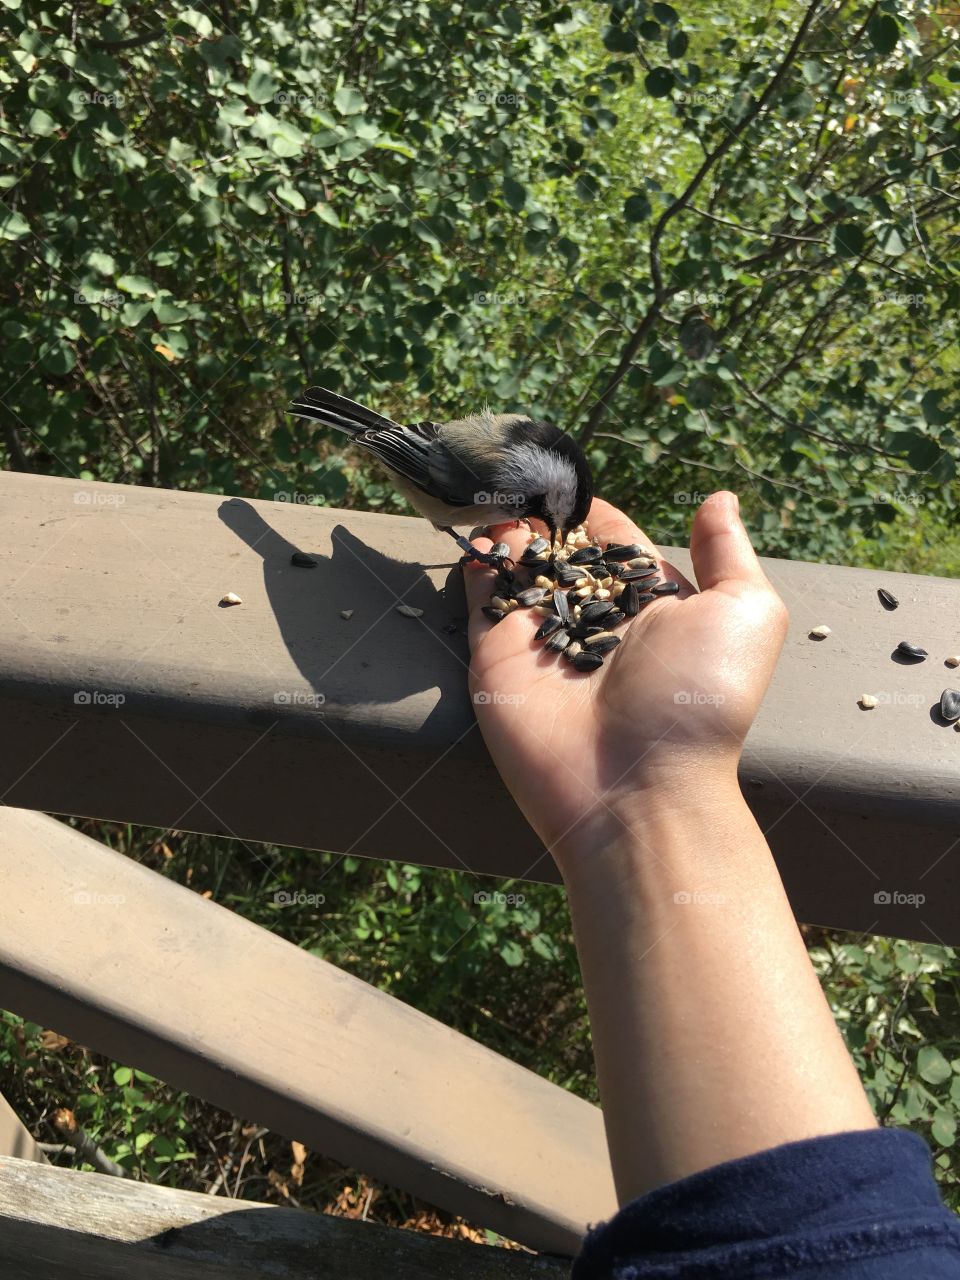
(668, 712)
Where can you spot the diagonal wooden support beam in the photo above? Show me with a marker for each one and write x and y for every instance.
(15, 1138)
(155, 976)
(84, 1226)
(278, 720)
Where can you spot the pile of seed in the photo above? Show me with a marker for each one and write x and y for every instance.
(580, 589)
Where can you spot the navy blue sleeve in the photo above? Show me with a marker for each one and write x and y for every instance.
(850, 1206)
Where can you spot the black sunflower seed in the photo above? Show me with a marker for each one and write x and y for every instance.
(530, 597)
(581, 631)
(566, 575)
(558, 641)
(537, 547)
(500, 550)
(887, 600)
(644, 597)
(950, 705)
(584, 661)
(629, 600)
(615, 618)
(627, 551)
(538, 566)
(548, 627)
(586, 555)
(572, 649)
(303, 561)
(594, 612)
(665, 588)
(638, 575)
(910, 650)
(615, 569)
(495, 615)
(603, 642)
(562, 605)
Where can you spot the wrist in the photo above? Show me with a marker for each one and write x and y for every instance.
(674, 814)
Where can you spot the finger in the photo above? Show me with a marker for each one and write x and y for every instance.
(720, 546)
(607, 523)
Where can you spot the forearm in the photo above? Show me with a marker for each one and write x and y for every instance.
(711, 1035)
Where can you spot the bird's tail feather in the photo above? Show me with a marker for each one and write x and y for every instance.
(331, 410)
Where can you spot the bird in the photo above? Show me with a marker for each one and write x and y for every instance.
(457, 473)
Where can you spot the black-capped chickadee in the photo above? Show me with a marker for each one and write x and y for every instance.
(485, 469)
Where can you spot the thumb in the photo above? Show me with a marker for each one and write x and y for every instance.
(720, 546)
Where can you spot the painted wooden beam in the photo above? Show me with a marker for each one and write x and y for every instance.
(121, 959)
(15, 1138)
(65, 1225)
(279, 720)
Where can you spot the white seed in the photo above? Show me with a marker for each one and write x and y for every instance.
(231, 598)
(545, 610)
(602, 593)
(541, 581)
(346, 614)
(952, 662)
(819, 633)
(867, 701)
(409, 611)
(617, 590)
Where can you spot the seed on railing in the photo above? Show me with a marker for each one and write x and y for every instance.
(867, 701)
(409, 611)
(495, 615)
(952, 662)
(819, 633)
(909, 650)
(887, 600)
(302, 560)
(230, 598)
(346, 614)
(950, 705)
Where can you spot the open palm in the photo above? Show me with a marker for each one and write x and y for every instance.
(675, 698)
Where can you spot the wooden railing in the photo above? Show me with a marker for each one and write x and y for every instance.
(129, 693)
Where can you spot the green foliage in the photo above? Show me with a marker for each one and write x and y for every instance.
(897, 1006)
(440, 204)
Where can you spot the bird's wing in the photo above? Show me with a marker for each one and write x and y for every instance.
(417, 454)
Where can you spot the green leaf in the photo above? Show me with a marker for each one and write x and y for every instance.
(637, 208)
(932, 1066)
(514, 193)
(349, 101)
(41, 124)
(12, 225)
(932, 411)
(511, 953)
(659, 82)
(944, 1127)
(848, 239)
(619, 39)
(139, 285)
(289, 194)
(883, 32)
(122, 1076)
(261, 87)
(890, 241)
